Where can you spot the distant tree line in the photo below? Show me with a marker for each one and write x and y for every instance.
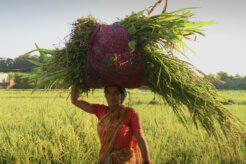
(14, 67)
(22, 80)
(224, 81)
(17, 64)
(20, 70)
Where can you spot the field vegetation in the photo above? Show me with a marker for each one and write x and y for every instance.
(44, 127)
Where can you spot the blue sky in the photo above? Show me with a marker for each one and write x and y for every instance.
(48, 22)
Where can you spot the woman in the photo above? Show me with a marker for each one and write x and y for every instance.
(119, 128)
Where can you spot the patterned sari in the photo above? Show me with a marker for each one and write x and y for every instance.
(108, 129)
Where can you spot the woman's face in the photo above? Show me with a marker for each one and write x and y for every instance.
(113, 96)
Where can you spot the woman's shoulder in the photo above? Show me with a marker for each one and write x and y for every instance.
(133, 119)
(98, 107)
(132, 111)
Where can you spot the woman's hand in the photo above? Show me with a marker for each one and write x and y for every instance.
(84, 105)
(74, 94)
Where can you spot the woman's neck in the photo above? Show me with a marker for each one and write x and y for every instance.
(113, 107)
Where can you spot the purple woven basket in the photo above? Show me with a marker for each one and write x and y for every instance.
(110, 61)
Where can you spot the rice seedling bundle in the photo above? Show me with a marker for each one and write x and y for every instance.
(156, 39)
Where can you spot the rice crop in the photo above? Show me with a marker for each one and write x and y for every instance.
(44, 127)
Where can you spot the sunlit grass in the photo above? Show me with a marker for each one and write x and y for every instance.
(45, 127)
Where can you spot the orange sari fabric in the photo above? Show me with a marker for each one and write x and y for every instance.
(108, 129)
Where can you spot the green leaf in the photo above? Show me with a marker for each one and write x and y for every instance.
(132, 29)
(35, 62)
(30, 52)
(111, 58)
(132, 44)
(43, 53)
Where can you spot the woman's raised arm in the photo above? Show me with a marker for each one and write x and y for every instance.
(75, 99)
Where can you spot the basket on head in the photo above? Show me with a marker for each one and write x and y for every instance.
(110, 61)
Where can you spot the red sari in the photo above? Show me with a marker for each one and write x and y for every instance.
(108, 129)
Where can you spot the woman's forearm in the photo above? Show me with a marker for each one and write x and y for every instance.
(143, 146)
(144, 151)
(75, 99)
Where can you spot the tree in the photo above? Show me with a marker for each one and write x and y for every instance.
(20, 62)
(5, 64)
(223, 76)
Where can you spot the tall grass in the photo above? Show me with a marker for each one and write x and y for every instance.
(44, 127)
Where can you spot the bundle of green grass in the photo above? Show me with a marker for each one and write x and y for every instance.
(158, 38)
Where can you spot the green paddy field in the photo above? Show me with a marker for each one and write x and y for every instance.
(44, 127)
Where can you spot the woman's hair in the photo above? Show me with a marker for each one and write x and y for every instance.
(122, 91)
